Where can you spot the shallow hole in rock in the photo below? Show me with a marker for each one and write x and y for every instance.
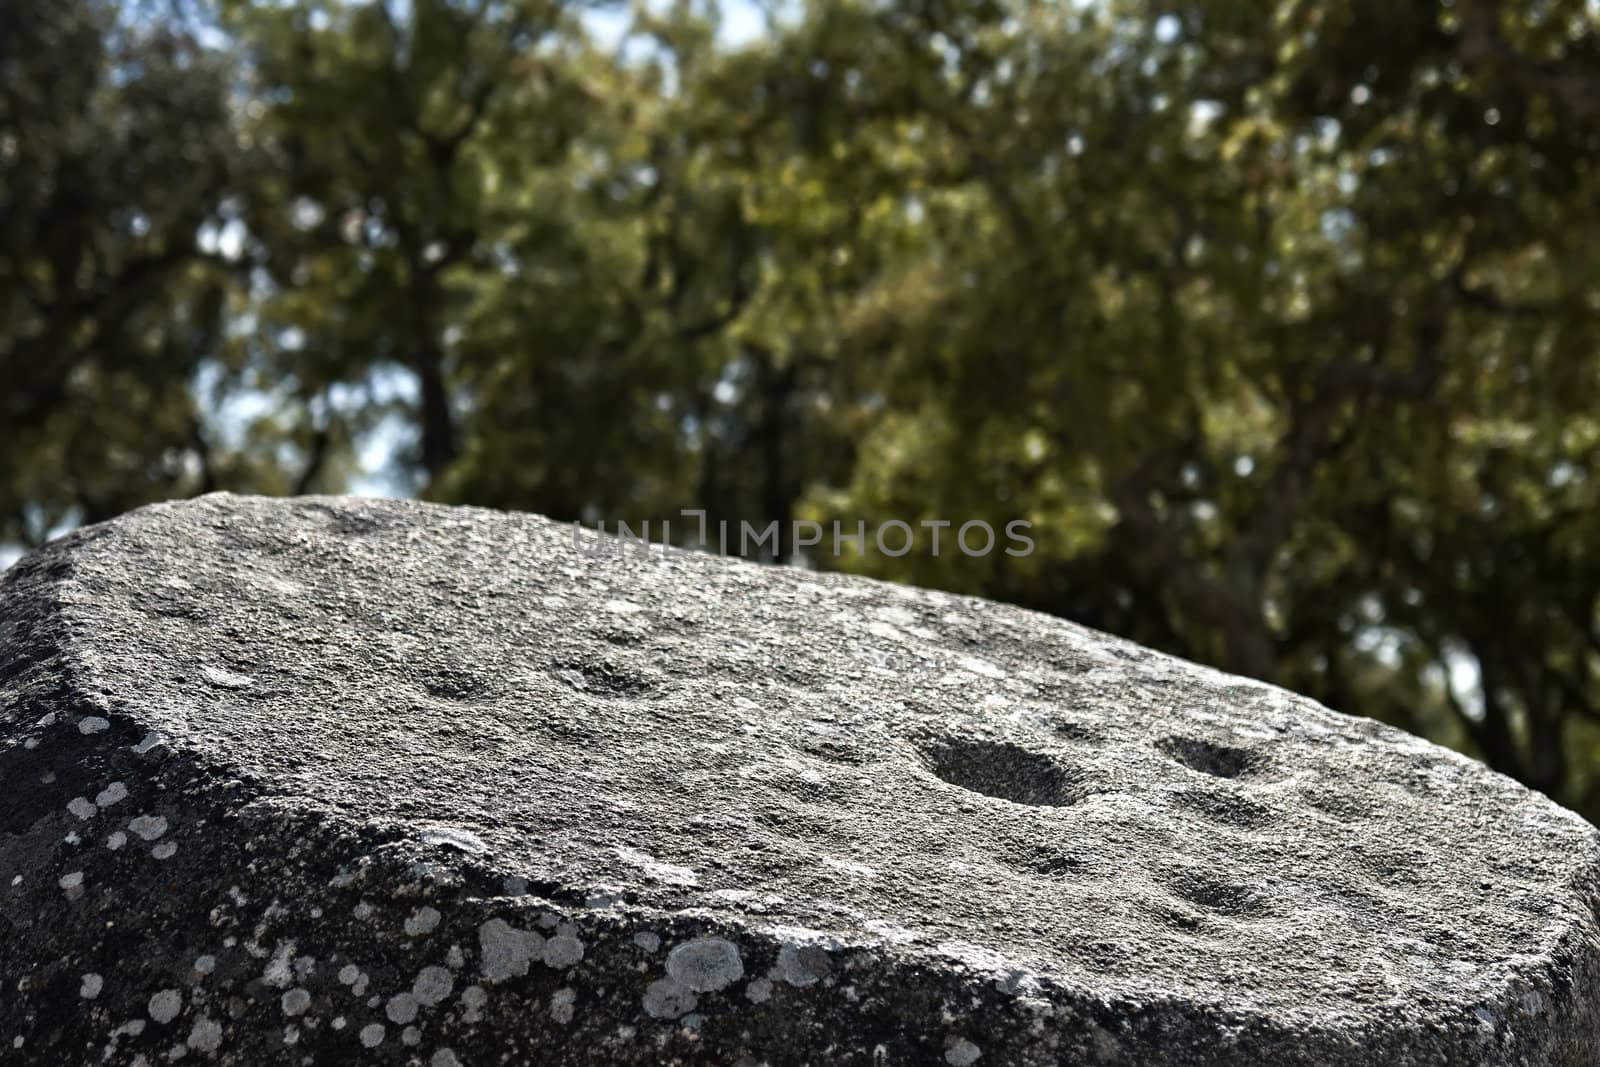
(1074, 731)
(1004, 770)
(455, 683)
(605, 679)
(1049, 861)
(1227, 808)
(1208, 757)
(1216, 895)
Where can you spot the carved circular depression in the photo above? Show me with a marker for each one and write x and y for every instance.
(1004, 770)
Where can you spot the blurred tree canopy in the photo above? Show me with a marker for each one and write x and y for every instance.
(1279, 319)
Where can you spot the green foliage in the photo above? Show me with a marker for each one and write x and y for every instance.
(1279, 321)
(115, 145)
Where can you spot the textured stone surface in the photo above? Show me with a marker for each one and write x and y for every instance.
(335, 781)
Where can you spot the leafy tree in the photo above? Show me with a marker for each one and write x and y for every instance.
(115, 147)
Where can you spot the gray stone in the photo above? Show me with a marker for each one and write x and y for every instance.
(442, 788)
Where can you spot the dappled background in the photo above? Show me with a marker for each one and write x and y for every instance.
(1280, 321)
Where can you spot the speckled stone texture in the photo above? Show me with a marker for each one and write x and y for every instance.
(336, 781)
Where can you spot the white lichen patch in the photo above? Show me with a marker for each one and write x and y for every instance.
(665, 998)
(205, 964)
(759, 991)
(93, 724)
(422, 921)
(645, 939)
(206, 1035)
(473, 1000)
(116, 840)
(148, 827)
(147, 742)
(802, 965)
(506, 950)
(279, 973)
(165, 850)
(165, 1005)
(295, 1001)
(962, 1053)
(82, 807)
(71, 880)
(433, 984)
(563, 1004)
(89, 986)
(444, 1058)
(114, 793)
(563, 951)
(705, 964)
(371, 1035)
(401, 1008)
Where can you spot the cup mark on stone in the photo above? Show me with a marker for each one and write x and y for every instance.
(1339, 805)
(603, 679)
(1075, 731)
(1209, 757)
(456, 684)
(1230, 809)
(624, 636)
(833, 750)
(1046, 860)
(1006, 771)
(1174, 918)
(1216, 895)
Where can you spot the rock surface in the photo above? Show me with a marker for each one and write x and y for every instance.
(339, 781)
